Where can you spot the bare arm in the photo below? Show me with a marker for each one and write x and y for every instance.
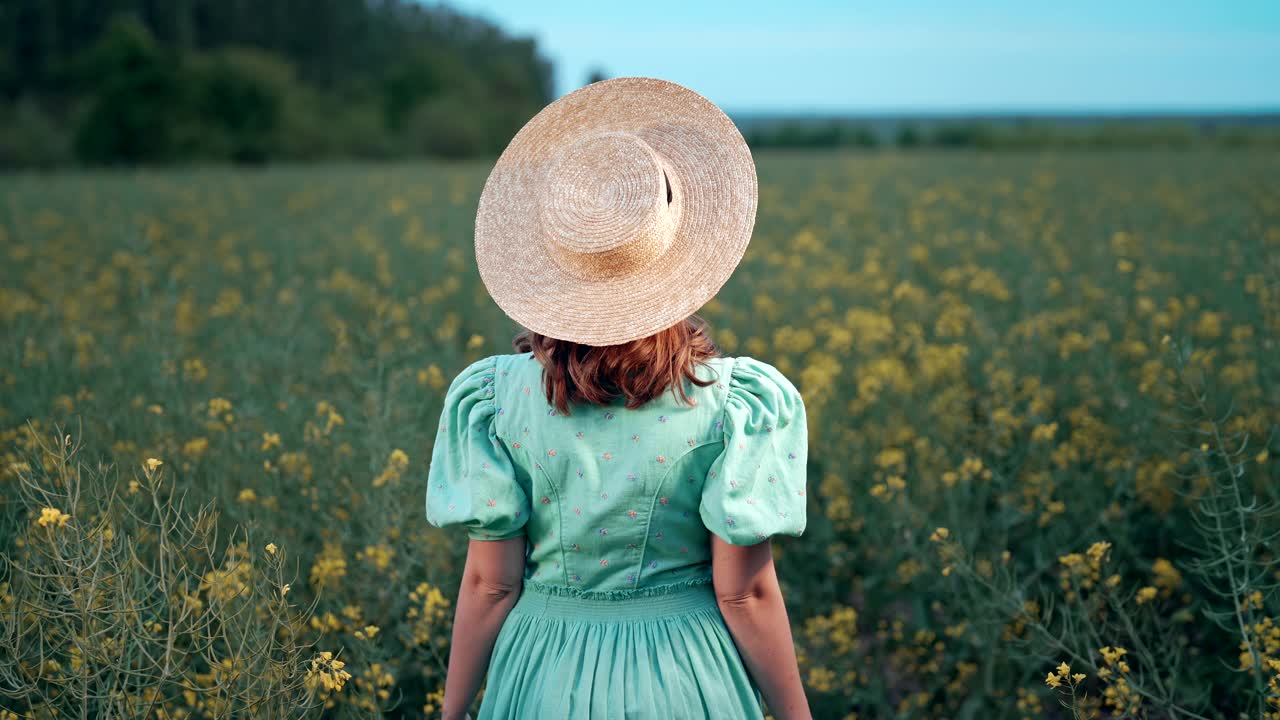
(491, 581)
(751, 601)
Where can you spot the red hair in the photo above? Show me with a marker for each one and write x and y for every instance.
(639, 370)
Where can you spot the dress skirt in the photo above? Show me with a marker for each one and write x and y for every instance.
(658, 655)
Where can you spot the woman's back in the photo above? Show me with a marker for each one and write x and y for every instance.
(613, 215)
(617, 501)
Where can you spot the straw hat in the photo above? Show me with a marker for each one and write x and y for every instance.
(617, 211)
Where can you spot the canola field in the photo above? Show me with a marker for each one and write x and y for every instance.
(1043, 393)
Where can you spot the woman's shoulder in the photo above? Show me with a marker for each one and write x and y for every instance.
(507, 363)
(492, 373)
(746, 366)
(500, 364)
(760, 380)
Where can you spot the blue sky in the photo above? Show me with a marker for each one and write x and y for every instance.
(806, 56)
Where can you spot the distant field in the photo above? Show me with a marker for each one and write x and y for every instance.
(1043, 390)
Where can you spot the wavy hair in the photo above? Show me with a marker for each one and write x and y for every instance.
(639, 370)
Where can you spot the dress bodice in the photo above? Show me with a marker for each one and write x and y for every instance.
(613, 501)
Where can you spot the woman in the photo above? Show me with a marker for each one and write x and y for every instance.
(619, 479)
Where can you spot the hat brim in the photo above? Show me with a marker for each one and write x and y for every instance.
(715, 172)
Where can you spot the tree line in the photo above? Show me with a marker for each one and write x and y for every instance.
(1016, 134)
(157, 81)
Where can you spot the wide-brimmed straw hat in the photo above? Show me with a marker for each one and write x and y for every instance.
(617, 211)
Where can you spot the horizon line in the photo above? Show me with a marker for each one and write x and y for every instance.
(979, 111)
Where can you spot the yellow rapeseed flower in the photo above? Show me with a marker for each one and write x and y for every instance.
(397, 463)
(1044, 432)
(431, 376)
(1098, 550)
(50, 516)
(1111, 655)
(327, 672)
(196, 446)
(219, 406)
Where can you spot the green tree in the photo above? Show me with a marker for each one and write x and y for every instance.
(140, 104)
(238, 99)
(908, 136)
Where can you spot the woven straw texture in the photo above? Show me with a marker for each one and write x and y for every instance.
(617, 211)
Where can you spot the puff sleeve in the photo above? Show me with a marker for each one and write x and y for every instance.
(472, 480)
(756, 487)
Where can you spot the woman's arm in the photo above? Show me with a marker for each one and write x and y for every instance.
(751, 601)
(491, 581)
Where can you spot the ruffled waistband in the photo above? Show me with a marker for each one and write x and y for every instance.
(641, 603)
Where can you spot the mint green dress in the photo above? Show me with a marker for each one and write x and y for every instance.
(617, 616)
